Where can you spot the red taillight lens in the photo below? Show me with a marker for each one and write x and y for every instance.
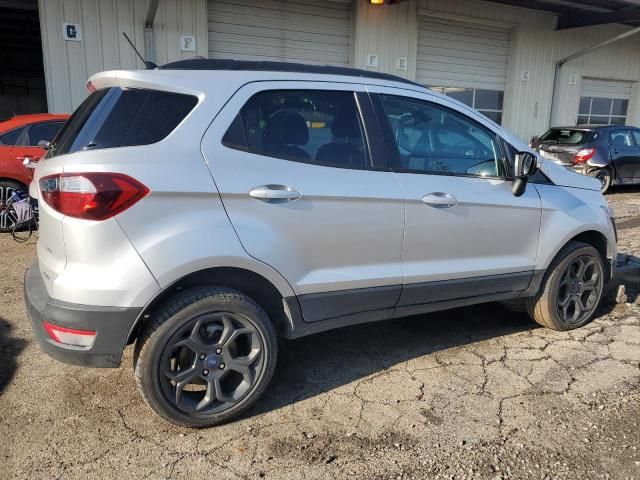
(91, 196)
(584, 155)
(70, 336)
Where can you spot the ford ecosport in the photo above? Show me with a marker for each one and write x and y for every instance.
(204, 209)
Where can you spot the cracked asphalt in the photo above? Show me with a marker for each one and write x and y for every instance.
(479, 392)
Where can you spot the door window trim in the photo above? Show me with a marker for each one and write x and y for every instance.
(394, 156)
(361, 107)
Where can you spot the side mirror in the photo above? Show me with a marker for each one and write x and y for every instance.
(44, 144)
(526, 164)
(534, 142)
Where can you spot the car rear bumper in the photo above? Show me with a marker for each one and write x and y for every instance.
(111, 324)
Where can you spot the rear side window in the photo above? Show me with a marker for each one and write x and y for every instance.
(312, 126)
(117, 117)
(567, 136)
(43, 131)
(620, 138)
(11, 137)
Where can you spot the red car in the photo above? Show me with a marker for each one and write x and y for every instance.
(19, 138)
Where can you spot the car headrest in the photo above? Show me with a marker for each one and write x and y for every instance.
(619, 139)
(288, 128)
(345, 124)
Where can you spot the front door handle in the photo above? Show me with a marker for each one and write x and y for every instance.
(275, 193)
(440, 200)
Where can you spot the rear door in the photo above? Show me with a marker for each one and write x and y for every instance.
(293, 165)
(624, 155)
(466, 234)
(636, 171)
(32, 135)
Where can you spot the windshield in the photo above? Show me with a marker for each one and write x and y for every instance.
(567, 136)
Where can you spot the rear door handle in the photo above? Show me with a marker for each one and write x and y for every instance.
(275, 193)
(440, 200)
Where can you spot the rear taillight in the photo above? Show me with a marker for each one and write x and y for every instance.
(584, 154)
(91, 196)
(70, 336)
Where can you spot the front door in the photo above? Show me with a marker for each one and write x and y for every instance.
(292, 165)
(466, 234)
(623, 154)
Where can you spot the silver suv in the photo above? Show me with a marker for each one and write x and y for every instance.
(204, 209)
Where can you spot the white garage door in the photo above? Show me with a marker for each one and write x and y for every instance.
(604, 102)
(466, 61)
(305, 31)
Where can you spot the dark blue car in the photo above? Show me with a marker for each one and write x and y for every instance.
(609, 153)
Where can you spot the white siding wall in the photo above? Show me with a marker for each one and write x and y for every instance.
(391, 31)
(68, 64)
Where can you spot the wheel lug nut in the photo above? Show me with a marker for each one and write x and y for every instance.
(222, 366)
(218, 351)
(202, 356)
(205, 372)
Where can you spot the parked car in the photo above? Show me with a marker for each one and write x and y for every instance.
(204, 209)
(19, 139)
(609, 153)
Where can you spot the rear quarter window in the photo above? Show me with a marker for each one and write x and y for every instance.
(117, 117)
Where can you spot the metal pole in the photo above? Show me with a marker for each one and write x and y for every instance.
(148, 30)
(580, 53)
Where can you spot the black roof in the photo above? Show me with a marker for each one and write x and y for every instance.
(245, 65)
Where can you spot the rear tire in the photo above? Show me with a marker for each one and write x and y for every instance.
(205, 357)
(604, 176)
(571, 288)
(7, 216)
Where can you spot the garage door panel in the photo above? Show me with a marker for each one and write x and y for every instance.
(425, 61)
(280, 30)
(310, 7)
(457, 54)
(430, 37)
(242, 15)
(595, 87)
(462, 70)
(308, 39)
(257, 52)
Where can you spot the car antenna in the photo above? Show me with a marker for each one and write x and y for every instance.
(148, 64)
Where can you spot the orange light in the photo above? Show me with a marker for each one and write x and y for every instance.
(376, 2)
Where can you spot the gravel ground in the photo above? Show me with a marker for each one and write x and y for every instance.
(471, 393)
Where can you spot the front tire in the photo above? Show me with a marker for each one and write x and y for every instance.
(604, 176)
(571, 289)
(205, 357)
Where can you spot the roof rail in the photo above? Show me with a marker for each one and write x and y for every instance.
(264, 66)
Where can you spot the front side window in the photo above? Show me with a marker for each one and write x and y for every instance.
(43, 131)
(487, 102)
(602, 111)
(434, 139)
(636, 136)
(313, 126)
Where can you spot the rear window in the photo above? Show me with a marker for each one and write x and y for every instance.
(567, 136)
(116, 117)
(11, 137)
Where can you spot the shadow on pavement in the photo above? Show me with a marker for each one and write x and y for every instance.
(10, 348)
(312, 365)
